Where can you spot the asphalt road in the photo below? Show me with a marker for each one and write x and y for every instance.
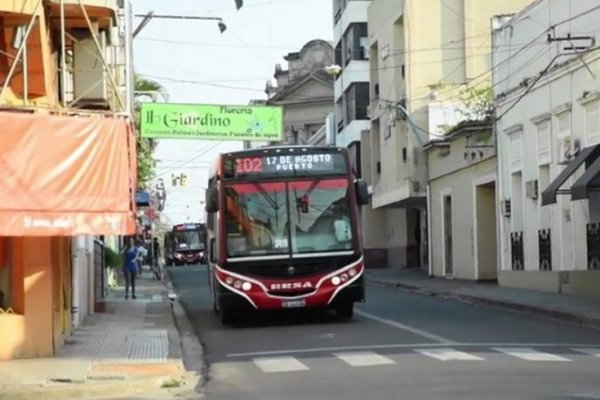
(400, 345)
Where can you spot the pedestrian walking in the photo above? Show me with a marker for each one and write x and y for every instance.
(130, 267)
(142, 252)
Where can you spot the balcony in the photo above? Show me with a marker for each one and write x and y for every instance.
(101, 12)
(354, 12)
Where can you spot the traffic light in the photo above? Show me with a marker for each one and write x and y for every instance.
(174, 179)
(183, 179)
(304, 203)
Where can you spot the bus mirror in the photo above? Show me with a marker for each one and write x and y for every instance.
(212, 199)
(362, 192)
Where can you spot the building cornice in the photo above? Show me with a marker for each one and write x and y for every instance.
(513, 129)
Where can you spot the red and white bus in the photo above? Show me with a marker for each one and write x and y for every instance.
(283, 231)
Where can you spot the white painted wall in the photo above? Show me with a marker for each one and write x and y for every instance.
(558, 92)
(82, 248)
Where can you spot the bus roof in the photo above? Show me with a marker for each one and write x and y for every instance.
(284, 149)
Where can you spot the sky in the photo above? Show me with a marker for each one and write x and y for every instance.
(198, 64)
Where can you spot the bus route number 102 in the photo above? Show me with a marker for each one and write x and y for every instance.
(248, 165)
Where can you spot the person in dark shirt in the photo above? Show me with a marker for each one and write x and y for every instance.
(130, 267)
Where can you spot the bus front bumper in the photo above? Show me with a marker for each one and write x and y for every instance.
(325, 295)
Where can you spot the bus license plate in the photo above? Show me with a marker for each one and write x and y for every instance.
(293, 303)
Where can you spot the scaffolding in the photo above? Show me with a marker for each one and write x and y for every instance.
(95, 71)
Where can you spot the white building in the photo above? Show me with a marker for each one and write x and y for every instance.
(546, 70)
(351, 89)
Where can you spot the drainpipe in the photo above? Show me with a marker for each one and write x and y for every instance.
(128, 57)
(63, 55)
(75, 287)
(429, 229)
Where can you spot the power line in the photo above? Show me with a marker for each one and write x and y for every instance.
(190, 160)
(535, 81)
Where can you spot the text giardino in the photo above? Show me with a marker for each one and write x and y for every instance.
(191, 119)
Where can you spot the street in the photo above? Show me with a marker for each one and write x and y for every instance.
(400, 345)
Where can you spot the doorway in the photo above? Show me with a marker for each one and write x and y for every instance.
(447, 220)
(485, 232)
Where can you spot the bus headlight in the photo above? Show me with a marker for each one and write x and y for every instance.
(336, 280)
(352, 272)
(237, 284)
(246, 286)
(229, 280)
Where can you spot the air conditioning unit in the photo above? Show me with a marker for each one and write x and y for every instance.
(567, 149)
(90, 81)
(505, 208)
(531, 189)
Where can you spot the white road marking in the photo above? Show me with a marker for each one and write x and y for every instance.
(399, 346)
(447, 354)
(415, 331)
(279, 364)
(530, 354)
(364, 359)
(591, 351)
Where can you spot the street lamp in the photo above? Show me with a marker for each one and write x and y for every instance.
(150, 15)
(334, 70)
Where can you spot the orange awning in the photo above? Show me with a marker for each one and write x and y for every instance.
(66, 175)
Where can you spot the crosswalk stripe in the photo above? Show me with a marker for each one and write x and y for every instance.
(529, 354)
(279, 364)
(589, 351)
(448, 354)
(364, 359)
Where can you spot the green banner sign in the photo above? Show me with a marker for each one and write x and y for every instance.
(211, 122)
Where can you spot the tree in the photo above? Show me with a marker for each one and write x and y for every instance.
(145, 90)
(477, 103)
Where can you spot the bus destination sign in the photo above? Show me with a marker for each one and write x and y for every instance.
(186, 227)
(285, 165)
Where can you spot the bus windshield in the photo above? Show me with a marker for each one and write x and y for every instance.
(278, 218)
(187, 240)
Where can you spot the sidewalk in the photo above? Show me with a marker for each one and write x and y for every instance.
(132, 349)
(580, 310)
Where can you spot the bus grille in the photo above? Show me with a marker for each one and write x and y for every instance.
(294, 293)
(285, 271)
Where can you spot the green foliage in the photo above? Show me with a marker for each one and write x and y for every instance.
(477, 103)
(145, 90)
(111, 258)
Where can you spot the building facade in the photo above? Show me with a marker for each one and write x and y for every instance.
(461, 200)
(304, 90)
(548, 96)
(69, 170)
(422, 56)
(351, 89)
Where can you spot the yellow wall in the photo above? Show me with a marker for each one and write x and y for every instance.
(33, 330)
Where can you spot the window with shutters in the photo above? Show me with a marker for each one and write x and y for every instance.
(564, 124)
(516, 150)
(543, 142)
(592, 123)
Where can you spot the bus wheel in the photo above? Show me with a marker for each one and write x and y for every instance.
(344, 311)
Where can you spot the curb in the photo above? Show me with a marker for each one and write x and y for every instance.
(85, 390)
(192, 349)
(503, 304)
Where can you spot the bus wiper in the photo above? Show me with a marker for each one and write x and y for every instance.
(265, 194)
(312, 186)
